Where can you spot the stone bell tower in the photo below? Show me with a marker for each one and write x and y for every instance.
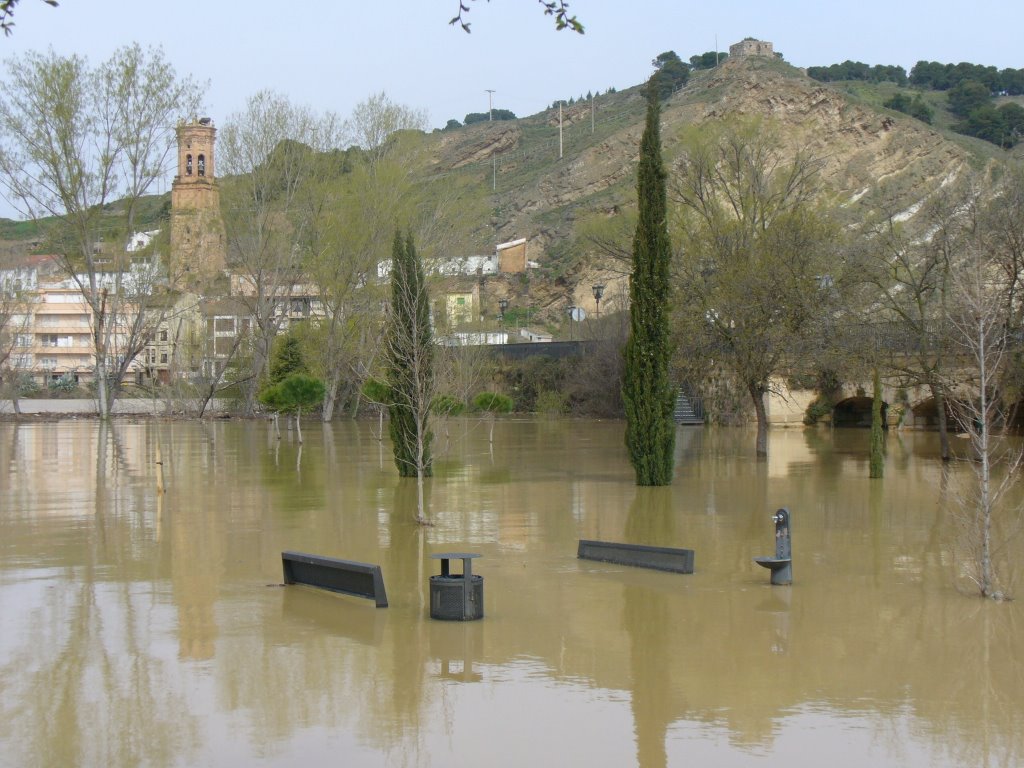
(197, 231)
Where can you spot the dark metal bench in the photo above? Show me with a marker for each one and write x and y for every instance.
(639, 555)
(345, 576)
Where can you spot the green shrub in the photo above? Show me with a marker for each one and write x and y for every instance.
(27, 386)
(493, 402)
(63, 385)
(818, 408)
(447, 405)
(551, 402)
(377, 391)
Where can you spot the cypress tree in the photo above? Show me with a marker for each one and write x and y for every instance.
(647, 391)
(410, 361)
(286, 358)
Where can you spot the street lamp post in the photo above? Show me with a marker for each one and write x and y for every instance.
(502, 306)
(598, 290)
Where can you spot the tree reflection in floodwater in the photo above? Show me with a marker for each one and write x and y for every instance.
(148, 629)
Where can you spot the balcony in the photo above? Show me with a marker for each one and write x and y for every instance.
(65, 327)
(53, 349)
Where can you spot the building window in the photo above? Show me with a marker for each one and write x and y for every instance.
(163, 335)
(163, 358)
(188, 165)
(223, 346)
(202, 165)
(224, 325)
(56, 340)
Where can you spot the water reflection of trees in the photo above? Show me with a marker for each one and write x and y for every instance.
(84, 682)
(648, 622)
(871, 624)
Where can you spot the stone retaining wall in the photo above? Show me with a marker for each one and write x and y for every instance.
(122, 406)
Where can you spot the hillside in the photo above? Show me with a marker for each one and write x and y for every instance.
(18, 238)
(515, 167)
(867, 149)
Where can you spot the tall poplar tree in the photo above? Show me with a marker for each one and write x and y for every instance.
(646, 390)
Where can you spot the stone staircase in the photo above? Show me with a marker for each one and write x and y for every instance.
(688, 409)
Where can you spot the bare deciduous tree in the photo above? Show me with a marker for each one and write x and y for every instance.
(978, 333)
(271, 152)
(351, 223)
(757, 259)
(14, 327)
(377, 119)
(75, 139)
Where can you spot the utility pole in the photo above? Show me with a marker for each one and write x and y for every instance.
(559, 129)
(494, 158)
(591, 114)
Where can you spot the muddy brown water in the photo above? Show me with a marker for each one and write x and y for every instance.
(147, 630)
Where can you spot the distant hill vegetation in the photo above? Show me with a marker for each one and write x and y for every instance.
(494, 114)
(152, 213)
(671, 73)
(858, 70)
(971, 93)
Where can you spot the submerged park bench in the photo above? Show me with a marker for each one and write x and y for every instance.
(638, 555)
(345, 576)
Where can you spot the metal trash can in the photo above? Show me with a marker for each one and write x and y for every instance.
(456, 596)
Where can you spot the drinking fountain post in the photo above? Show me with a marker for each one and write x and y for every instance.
(781, 566)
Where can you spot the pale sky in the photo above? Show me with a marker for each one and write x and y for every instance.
(332, 54)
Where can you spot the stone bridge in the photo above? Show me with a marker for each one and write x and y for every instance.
(909, 406)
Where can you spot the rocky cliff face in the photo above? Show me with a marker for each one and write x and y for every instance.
(863, 149)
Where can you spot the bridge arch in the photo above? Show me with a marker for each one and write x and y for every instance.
(926, 413)
(855, 411)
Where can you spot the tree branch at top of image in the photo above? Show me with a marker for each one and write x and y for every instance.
(557, 8)
(7, 12)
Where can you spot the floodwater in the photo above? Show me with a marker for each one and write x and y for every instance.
(141, 630)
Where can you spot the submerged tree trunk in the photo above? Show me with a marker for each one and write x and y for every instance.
(940, 404)
(204, 402)
(757, 392)
(421, 512)
(877, 464)
(101, 391)
(332, 392)
(985, 501)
